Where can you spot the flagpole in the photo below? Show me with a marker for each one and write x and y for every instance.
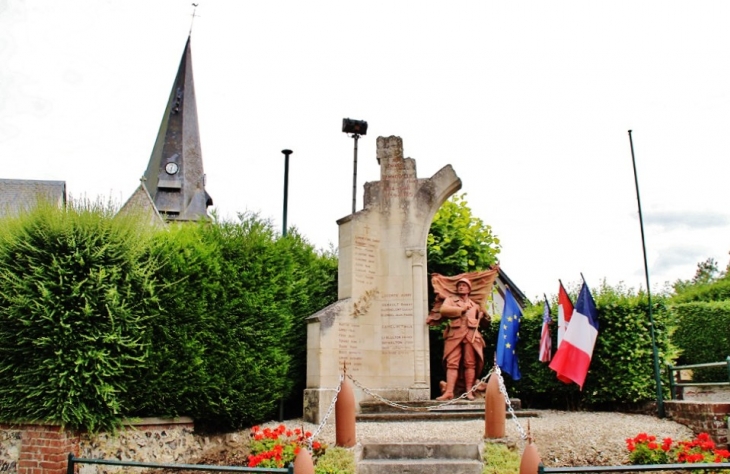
(657, 377)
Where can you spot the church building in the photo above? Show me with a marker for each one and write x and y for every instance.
(173, 186)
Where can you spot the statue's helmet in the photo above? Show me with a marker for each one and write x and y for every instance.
(464, 280)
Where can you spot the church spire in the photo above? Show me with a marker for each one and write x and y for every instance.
(174, 178)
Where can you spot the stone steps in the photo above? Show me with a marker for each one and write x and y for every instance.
(420, 458)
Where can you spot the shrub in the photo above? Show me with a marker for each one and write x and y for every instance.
(645, 449)
(230, 339)
(77, 291)
(279, 446)
(702, 337)
(336, 460)
(622, 357)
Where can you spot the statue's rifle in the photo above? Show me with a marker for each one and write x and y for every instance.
(479, 320)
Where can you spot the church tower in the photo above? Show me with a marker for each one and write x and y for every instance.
(174, 182)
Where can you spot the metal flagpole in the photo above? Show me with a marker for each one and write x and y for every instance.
(657, 377)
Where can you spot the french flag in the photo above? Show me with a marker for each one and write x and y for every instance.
(573, 357)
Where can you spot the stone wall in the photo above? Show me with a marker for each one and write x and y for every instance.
(44, 449)
(10, 441)
(707, 417)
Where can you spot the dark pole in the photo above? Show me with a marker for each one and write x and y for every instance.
(283, 234)
(286, 186)
(354, 175)
(657, 376)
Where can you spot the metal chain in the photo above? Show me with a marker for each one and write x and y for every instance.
(511, 410)
(495, 370)
(310, 440)
(418, 409)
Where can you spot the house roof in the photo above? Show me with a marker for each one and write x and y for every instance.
(17, 195)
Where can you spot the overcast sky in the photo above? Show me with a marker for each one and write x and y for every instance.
(530, 102)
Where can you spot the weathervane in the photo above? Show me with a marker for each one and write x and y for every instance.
(195, 6)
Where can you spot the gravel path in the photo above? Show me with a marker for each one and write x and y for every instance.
(562, 438)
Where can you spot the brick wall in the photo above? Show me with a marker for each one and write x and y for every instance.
(45, 449)
(702, 417)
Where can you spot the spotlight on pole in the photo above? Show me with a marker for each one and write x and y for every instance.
(355, 128)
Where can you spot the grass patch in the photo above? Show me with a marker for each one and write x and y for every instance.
(501, 459)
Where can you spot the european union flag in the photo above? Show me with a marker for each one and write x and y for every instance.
(509, 332)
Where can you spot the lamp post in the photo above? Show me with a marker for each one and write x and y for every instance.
(286, 186)
(355, 128)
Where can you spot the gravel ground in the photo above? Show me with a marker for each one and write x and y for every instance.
(562, 438)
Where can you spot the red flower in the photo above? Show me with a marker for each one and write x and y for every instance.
(666, 444)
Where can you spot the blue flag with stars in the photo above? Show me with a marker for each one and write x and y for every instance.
(509, 332)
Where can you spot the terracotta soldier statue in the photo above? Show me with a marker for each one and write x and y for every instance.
(463, 343)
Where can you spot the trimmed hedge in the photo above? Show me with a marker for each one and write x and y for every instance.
(103, 318)
(704, 336)
(77, 291)
(622, 367)
(718, 290)
(231, 342)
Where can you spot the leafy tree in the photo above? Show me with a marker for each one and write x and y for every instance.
(458, 242)
(707, 272)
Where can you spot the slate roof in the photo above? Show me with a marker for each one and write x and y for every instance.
(174, 179)
(18, 195)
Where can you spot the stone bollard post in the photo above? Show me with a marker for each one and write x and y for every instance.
(494, 409)
(345, 416)
(530, 461)
(303, 463)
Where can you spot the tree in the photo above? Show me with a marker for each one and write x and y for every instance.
(458, 242)
(707, 272)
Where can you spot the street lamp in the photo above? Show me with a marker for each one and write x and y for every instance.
(286, 186)
(355, 128)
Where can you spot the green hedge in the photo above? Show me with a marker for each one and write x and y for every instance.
(622, 368)
(103, 318)
(77, 292)
(232, 340)
(718, 290)
(703, 335)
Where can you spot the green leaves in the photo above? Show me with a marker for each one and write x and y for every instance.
(703, 336)
(458, 242)
(102, 318)
(74, 288)
(622, 366)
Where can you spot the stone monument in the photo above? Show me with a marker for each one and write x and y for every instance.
(377, 329)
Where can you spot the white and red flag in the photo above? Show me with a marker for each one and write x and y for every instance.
(573, 357)
(546, 344)
(565, 312)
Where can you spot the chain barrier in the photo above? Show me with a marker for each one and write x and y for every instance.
(310, 440)
(419, 409)
(511, 410)
(495, 370)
